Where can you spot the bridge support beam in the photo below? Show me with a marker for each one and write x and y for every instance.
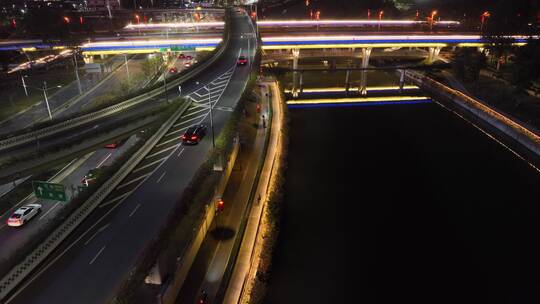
(366, 52)
(88, 59)
(296, 55)
(347, 81)
(401, 80)
(301, 82)
(433, 54)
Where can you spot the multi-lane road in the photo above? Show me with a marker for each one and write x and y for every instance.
(93, 261)
(70, 176)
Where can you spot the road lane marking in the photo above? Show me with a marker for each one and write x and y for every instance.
(135, 210)
(185, 121)
(97, 255)
(168, 141)
(161, 151)
(60, 255)
(104, 160)
(150, 164)
(220, 82)
(48, 211)
(16, 206)
(162, 175)
(115, 199)
(97, 232)
(181, 151)
(185, 128)
(195, 112)
(132, 181)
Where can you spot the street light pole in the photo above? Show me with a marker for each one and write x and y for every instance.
(24, 86)
(127, 68)
(76, 67)
(46, 99)
(165, 84)
(433, 14)
(211, 116)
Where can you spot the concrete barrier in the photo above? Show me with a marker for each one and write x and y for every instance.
(66, 125)
(188, 257)
(41, 252)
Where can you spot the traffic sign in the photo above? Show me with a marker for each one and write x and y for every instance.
(176, 48)
(50, 191)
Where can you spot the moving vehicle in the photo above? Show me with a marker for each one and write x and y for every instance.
(173, 70)
(242, 60)
(23, 215)
(115, 144)
(181, 56)
(194, 134)
(91, 177)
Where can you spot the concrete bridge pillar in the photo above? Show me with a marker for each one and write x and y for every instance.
(88, 59)
(347, 81)
(366, 52)
(301, 82)
(401, 80)
(296, 55)
(433, 54)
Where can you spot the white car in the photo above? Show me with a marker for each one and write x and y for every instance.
(23, 214)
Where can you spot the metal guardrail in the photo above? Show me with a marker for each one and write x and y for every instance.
(38, 255)
(90, 117)
(499, 120)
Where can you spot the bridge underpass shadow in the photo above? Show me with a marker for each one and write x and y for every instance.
(222, 233)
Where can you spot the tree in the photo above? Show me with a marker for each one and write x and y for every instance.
(526, 65)
(509, 17)
(467, 63)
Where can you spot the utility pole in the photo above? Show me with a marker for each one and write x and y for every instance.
(127, 68)
(211, 117)
(165, 84)
(76, 67)
(46, 99)
(24, 86)
(109, 9)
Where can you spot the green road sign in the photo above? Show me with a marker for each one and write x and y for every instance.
(177, 48)
(50, 191)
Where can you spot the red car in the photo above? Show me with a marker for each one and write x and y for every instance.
(242, 60)
(173, 70)
(181, 56)
(188, 57)
(194, 134)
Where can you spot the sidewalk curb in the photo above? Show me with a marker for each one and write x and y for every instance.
(243, 262)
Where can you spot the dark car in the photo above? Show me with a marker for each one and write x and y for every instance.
(194, 134)
(242, 60)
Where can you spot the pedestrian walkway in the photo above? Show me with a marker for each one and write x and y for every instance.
(247, 260)
(209, 269)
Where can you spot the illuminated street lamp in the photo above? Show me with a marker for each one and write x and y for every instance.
(44, 90)
(483, 18)
(220, 205)
(432, 20)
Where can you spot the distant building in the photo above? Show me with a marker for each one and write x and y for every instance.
(101, 5)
